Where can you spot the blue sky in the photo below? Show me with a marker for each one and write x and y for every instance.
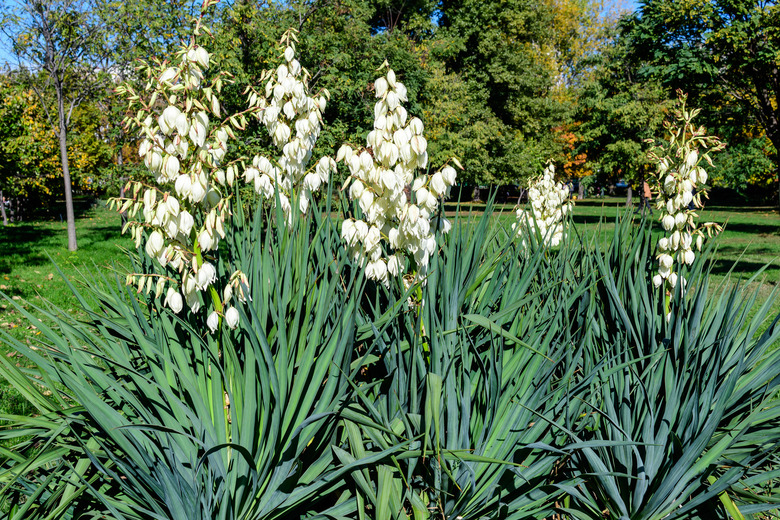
(610, 6)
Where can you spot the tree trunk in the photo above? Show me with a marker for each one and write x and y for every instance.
(629, 195)
(63, 138)
(2, 209)
(581, 191)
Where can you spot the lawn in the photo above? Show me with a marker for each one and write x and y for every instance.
(28, 254)
(31, 250)
(749, 242)
(751, 238)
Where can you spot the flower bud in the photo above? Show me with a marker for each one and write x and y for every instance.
(231, 317)
(206, 240)
(174, 300)
(213, 321)
(154, 243)
(692, 158)
(171, 166)
(380, 87)
(680, 219)
(206, 276)
(668, 222)
(202, 57)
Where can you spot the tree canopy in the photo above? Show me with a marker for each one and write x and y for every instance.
(503, 85)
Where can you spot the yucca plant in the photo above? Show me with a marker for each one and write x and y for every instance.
(143, 415)
(474, 376)
(683, 409)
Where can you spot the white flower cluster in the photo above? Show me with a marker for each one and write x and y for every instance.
(293, 119)
(184, 214)
(681, 186)
(549, 206)
(379, 176)
(674, 200)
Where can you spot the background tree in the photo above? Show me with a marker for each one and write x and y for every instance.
(619, 109)
(29, 165)
(60, 48)
(725, 52)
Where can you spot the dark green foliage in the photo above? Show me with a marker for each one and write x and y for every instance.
(619, 110)
(723, 52)
(682, 406)
(149, 417)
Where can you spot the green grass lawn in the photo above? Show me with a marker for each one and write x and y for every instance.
(27, 273)
(751, 238)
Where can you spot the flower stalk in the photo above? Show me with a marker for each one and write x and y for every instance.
(681, 185)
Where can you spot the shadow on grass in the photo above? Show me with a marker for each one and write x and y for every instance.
(755, 229)
(745, 269)
(740, 209)
(21, 244)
